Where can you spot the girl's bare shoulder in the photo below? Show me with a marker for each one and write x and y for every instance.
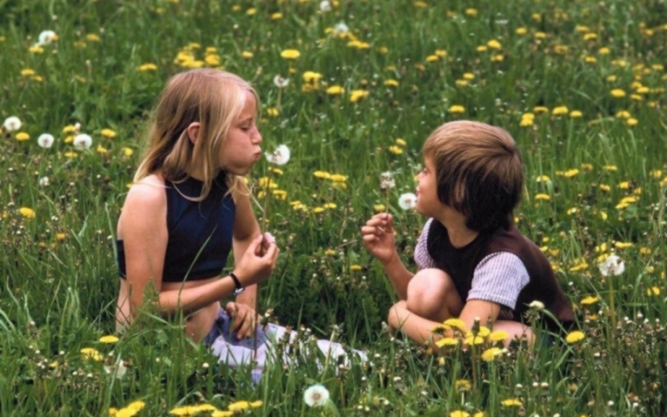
(148, 191)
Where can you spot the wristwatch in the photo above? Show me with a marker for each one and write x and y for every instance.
(239, 287)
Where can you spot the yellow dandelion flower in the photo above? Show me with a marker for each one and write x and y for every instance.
(109, 339)
(290, 54)
(379, 208)
(272, 112)
(447, 341)
(494, 44)
(391, 83)
(542, 178)
(108, 133)
(93, 37)
(472, 12)
(457, 109)
(632, 122)
(618, 93)
(511, 402)
(653, 291)
(247, 55)
(575, 114)
(590, 300)
(482, 332)
(498, 336)
(521, 31)
(455, 323)
(239, 406)
(91, 353)
(401, 142)
(462, 385)
(335, 90)
(490, 354)
(623, 245)
(482, 48)
(357, 95)
(22, 136)
(540, 109)
(27, 212)
(476, 340)
(575, 337)
(559, 111)
(147, 67)
(432, 58)
(396, 150)
(459, 413)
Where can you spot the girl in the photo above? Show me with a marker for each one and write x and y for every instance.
(188, 208)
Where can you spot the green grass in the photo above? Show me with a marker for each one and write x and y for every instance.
(59, 272)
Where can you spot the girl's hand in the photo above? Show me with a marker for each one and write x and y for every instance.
(244, 319)
(258, 261)
(378, 236)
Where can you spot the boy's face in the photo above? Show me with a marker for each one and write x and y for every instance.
(428, 203)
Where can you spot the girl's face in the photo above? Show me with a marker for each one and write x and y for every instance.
(428, 203)
(241, 150)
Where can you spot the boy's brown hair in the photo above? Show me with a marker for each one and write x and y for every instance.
(478, 171)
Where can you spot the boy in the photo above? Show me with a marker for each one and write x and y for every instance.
(473, 262)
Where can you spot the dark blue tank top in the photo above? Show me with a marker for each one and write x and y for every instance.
(200, 233)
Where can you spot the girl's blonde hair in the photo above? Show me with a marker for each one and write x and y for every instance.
(211, 97)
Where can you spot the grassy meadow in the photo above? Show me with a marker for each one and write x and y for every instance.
(579, 84)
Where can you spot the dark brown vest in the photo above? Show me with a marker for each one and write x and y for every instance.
(460, 264)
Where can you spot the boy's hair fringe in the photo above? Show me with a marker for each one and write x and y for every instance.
(211, 97)
(478, 170)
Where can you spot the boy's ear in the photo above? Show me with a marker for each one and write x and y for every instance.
(193, 132)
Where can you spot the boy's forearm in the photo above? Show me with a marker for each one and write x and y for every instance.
(399, 276)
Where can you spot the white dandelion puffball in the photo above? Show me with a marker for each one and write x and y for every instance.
(44, 182)
(340, 29)
(387, 181)
(407, 201)
(280, 156)
(280, 82)
(46, 37)
(316, 396)
(45, 140)
(83, 141)
(536, 305)
(613, 266)
(12, 123)
(325, 6)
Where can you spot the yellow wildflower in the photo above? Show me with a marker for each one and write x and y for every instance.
(490, 354)
(109, 339)
(335, 90)
(290, 54)
(27, 212)
(457, 109)
(575, 337)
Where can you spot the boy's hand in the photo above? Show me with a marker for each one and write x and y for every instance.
(378, 235)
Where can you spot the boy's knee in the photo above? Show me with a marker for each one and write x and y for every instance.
(427, 290)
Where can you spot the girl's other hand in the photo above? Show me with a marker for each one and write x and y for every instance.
(378, 235)
(244, 319)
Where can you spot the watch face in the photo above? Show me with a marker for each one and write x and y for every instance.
(238, 291)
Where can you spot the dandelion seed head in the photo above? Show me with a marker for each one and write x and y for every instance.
(316, 395)
(280, 156)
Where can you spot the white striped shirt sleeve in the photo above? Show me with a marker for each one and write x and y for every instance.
(422, 258)
(499, 278)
